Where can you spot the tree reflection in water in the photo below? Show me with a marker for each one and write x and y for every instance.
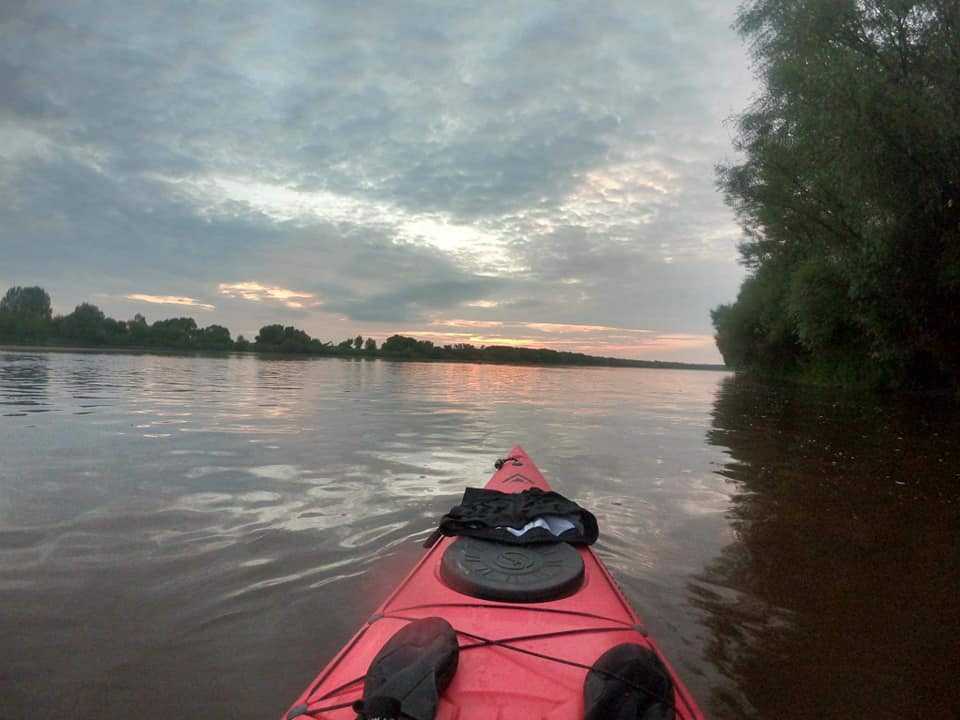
(24, 380)
(840, 596)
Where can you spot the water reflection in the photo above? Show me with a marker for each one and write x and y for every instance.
(840, 595)
(185, 527)
(23, 384)
(235, 519)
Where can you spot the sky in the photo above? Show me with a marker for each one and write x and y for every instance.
(524, 173)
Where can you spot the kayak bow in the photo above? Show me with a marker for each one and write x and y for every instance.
(517, 660)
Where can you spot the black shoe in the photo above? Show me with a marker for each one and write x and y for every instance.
(410, 672)
(628, 682)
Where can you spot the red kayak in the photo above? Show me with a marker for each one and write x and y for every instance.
(525, 660)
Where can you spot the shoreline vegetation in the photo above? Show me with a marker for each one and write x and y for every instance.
(848, 193)
(27, 323)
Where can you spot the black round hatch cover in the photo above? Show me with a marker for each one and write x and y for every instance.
(514, 573)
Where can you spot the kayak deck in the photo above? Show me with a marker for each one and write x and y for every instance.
(536, 670)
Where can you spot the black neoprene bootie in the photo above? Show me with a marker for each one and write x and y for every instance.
(406, 678)
(628, 682)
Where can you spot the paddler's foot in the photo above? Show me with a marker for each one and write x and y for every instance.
(628, 682)
(406, 678)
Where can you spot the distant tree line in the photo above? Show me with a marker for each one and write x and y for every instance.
(290, 340)
(400, 346)
(849, 194)
(26, 318)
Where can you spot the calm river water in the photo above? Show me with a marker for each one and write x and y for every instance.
(193, 537)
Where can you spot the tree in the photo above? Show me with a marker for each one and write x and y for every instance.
(370, 346)
(269, 335)
(242, 344)
(27, 302)
(295, 341)
(214, 337)
(399, 345)
(358, 342)
(25, 314)
(85, 324)
(320, 347)
(849, 191)
(138, 330)
(115, 332)
(404, 346)
(174, 333)
(277, 338)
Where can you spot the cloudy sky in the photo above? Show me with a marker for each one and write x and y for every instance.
(535, 173)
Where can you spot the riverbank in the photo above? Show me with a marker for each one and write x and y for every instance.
(140, 350)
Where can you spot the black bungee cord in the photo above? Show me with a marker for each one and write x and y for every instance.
(307, 711)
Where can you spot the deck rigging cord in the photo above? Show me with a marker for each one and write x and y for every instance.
(501, 643)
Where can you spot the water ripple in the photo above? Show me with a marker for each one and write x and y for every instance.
(171, 517)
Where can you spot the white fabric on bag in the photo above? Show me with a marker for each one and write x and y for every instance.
(555, 524)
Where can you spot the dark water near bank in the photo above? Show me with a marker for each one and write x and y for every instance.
(193, 537)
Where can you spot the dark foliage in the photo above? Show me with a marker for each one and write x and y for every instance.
(25, 313)
(400, 346)
(26, 318)
(849, 193)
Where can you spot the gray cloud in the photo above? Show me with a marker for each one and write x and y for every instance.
(411, 302)
(16, 98)
(399, 161)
